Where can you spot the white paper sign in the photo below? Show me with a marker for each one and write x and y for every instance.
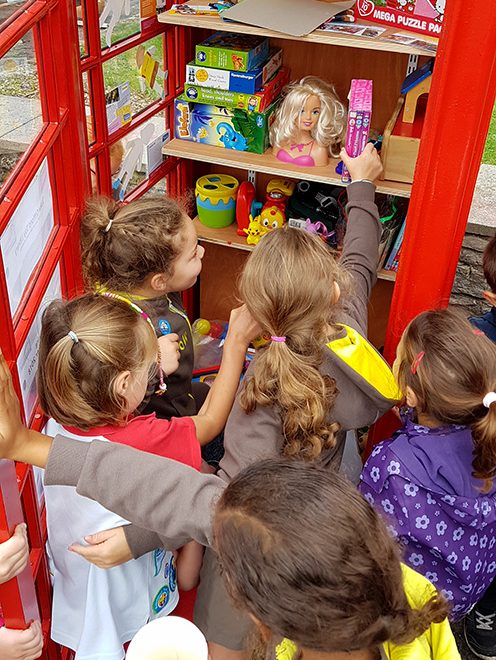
(27, 362)
(26, 235)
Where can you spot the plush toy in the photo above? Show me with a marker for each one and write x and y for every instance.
(310, 124)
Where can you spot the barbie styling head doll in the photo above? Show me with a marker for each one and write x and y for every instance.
(310, 123)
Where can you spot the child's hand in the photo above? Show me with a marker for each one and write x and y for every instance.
(242, 326)
(13, 435)
(367, 165)
(105, 549)
(14, 554)
(169, 353)
(21, 644)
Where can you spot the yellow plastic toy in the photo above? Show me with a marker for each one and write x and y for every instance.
(272, 218)
(255, 230)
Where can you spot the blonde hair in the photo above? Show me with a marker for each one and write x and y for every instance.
(287, 285)
(450, 368)
(76, 376)
(331, 125)
(122, 245)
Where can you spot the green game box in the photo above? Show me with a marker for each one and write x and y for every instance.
(234, 52)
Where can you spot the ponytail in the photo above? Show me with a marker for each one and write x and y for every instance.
(484, 435)
(122, 245)
(292, 381)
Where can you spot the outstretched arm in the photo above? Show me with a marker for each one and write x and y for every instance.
(179, 500)
(213, 415)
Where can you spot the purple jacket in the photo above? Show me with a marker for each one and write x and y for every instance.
(421, 482)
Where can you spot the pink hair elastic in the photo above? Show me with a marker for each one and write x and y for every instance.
(280, 340)
(416, 362)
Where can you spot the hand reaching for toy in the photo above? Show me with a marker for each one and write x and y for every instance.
(14, 554)
(169, 353)
(367, 165)
(242, 326)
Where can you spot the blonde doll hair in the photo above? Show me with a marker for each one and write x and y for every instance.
(287, 285)
(331, 126)
(77, 371)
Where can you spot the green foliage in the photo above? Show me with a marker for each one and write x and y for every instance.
(489, 156)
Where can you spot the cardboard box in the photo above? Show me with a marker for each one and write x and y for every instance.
(257, 102)
(223, 127)
(244, 82)
(235, 52)
(425, 16)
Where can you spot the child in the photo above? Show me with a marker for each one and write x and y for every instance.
(96, 357)
(302, 391)
(17, 644)
(316, 570)
(433, 482)
(148, 252)
(487, 322)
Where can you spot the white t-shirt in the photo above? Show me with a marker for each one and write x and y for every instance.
(95, 611)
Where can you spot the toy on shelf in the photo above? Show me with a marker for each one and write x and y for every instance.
(309, 124)
(255, 230)
(425, 16)
(231, 128)
(234, 52)
(315, 204)
(244, 82)
(358, 125)
(277, 194)
(216, 199)
(401, 141)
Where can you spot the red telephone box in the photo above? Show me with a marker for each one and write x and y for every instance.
(70, 125)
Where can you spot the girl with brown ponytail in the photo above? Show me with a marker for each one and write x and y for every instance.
(434, 480)
(321, 577)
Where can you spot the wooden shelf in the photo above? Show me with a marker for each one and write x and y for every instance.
(269, 164)
(228, 236)
(317, 37)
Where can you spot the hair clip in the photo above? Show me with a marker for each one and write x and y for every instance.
(115, 296)
(478, 332)
(416, 362)
(489, 399)
(73, 336)
(107, 228)
(279, 340)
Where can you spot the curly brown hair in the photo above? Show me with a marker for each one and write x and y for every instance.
(287, 285)
(311, 560)
(143, 239)
(457, 369)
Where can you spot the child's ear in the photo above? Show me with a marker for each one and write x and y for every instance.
(490, 297)
(336, 293)
(158, 282)
(411, 398)
(121, 383)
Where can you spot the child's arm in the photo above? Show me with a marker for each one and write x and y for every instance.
(189, 563)
(213, 415)
(99, 470)
(361, 242)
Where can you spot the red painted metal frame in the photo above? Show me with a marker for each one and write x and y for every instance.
(457, 120)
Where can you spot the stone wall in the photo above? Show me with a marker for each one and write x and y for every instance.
(469, 281)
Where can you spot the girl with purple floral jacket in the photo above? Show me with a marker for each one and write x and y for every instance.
(433, 481)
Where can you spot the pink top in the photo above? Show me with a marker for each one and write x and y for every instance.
(302, 161)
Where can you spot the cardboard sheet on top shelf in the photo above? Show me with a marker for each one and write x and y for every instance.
(294, 17)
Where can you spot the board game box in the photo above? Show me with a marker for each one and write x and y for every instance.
(252, 102)
(425, 16)
(235, 52)
(231, 128)
(244, 82)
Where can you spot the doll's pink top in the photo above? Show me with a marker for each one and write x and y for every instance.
(302, 161)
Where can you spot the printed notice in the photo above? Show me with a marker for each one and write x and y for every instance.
(26, 235)
(27, 362)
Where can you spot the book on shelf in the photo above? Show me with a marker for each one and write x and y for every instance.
(392, 260)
